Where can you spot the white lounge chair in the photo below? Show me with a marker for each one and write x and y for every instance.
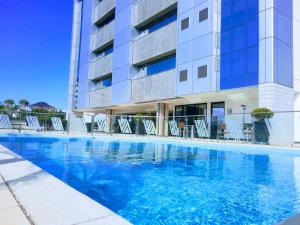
(174, 128)
(33, 123)
(149, 127)
(5, 122)
(57, 124)
(234, 129)
(102, 125)
(201, 128)
(124, 126)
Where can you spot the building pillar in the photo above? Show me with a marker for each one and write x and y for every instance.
(280, 99)
(110, 119)
(162, 114)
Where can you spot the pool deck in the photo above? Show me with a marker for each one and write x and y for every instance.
(30, 195)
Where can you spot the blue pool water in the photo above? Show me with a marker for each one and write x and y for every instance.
(169, 184)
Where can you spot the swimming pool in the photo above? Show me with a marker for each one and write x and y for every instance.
(155, 182)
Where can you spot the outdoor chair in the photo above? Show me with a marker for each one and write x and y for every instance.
(124, 126)
(102, 125)
(149, 127)
(33, 123)
(175, 131)
(234, 129)
(5, 122)
(201, 128)
(57, 124)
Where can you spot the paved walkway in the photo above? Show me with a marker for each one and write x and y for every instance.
(10, 211)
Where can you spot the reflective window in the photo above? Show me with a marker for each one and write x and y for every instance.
(161, 65)
(106, 51)
(102, 83)
(239, 43)
(161, 22)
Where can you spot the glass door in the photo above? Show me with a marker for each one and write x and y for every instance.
(217, 116)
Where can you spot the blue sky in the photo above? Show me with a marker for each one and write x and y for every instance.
(35, 41)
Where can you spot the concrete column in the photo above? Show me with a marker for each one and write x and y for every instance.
(110, 119)
(280, 99)
(162, 119)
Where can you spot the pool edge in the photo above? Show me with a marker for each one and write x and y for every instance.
(43, 196)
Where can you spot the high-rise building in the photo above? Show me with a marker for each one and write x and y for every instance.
(186, 57)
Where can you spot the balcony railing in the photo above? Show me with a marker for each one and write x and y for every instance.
(103, 10)
(156, 87)
(100, 97)
(146, 11)
(101, 67)
(155, 45)
(104, 36)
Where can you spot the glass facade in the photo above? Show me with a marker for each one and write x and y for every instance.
(239, 43)
(162, 65)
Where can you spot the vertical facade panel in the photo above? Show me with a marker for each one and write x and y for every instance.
(239, 44)
(84, 55)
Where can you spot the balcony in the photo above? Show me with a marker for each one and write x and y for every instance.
(155, 45)
(156, 87)
(100, 98)
(103, 10)
(101, 67)
(103, 37)
(146, 11)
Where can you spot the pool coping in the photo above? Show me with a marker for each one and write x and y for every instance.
(46, 200)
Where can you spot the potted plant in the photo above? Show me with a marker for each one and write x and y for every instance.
(261, 132)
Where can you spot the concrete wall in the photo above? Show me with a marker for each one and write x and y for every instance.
(146, 11)
(85, 55)
(101, 67)
(104, 37)
(102, 9)
(197, 45)
(159, 86)
(123, 48)
(156, 44)
(72, 98)
(100, 98)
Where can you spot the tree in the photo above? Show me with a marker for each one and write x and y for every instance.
(24, 103)
(9, 103)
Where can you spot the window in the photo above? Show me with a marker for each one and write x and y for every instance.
(106, 21)
(161, 22)
(106, 51)
(203, 15)
(185, 23)
(183, 75)
(161, 65)
(103, 82)
(202, 71)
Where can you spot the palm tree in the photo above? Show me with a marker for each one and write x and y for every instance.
(24, 103)
(9, 103)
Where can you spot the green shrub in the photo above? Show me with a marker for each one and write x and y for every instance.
(262, 113)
